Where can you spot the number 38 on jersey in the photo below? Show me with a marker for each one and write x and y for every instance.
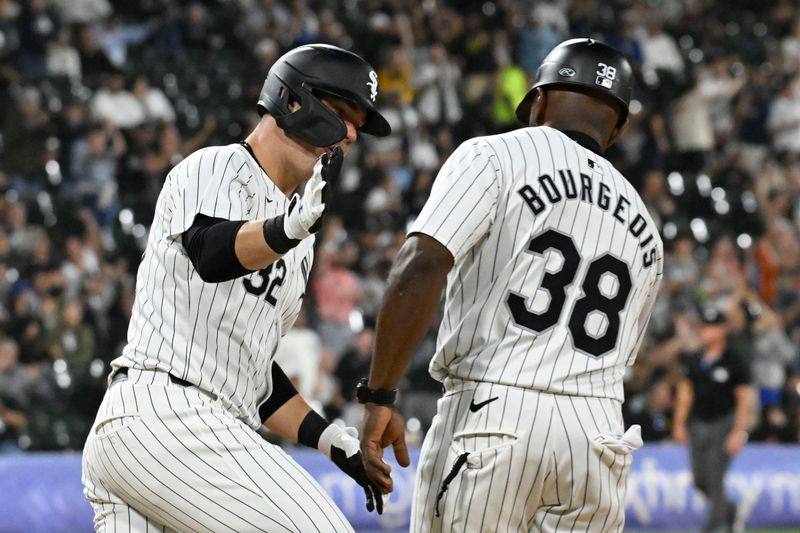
(604, 291)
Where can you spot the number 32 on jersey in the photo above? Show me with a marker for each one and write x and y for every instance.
(269, 281)
(592, 301)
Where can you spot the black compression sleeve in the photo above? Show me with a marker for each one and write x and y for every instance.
(282, 392)
(210, 244)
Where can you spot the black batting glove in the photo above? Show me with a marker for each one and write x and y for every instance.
(341, 445)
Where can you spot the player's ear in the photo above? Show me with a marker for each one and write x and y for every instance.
(538, 107)
(617, 132)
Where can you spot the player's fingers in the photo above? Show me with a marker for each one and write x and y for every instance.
(370, 499)
(375, 491)
(317, 192)
(378, 464)
(401, 451)
(382, 481)
(333, 165)
(378, 472)
(372, 455)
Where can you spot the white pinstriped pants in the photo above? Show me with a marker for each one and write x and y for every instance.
(533, 463)
(163, 457)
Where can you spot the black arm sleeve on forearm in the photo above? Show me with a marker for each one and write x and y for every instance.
(210, 244)
(282, 391)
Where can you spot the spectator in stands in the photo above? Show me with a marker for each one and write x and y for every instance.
(116, 105)
(536, 39)
(93, 181)
(63, 58)
(71, 339)
(661, 55)
(37, 26)
(27, 129)
(82, 11)
(681, 273)
(94, 62)
(436, 82)
(784, 118)
(773, 354)
(81, 263)
(155, 104)
(21, 234)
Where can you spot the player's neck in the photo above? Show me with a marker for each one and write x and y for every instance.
(585, 140)
(274, 158)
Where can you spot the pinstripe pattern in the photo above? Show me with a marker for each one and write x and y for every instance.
(218, 336)
(533, 462)
(180, 461)
(476, 211)
(162, 457)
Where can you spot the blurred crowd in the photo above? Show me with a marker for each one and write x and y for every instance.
(103, 97)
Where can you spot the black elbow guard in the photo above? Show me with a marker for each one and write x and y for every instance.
(211, 246)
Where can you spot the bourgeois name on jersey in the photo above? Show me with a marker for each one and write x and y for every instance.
(568, 189)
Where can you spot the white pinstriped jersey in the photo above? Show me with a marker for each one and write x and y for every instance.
(219, 336)
(557, 265)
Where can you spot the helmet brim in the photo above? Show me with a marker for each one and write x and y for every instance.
(376, 124)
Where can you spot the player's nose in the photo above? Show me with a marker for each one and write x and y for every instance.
(352, 133)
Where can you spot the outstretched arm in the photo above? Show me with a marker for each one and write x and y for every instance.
(287, 414)
(415, 286)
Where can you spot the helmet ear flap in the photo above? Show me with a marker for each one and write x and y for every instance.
(313, 122)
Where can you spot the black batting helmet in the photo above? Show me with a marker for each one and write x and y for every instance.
(583, 65)
(310, 69)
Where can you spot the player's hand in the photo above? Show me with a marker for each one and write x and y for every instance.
(383, 426)
(735, 442)
(304, 214)
(679, 434)
(341, 446)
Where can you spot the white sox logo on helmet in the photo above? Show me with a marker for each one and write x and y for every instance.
(373, 85)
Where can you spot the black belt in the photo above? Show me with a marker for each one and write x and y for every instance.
(123, 371)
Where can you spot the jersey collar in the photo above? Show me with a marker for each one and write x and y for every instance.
(252, 154)
(584, 140)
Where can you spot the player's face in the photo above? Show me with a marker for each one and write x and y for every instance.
(353, 116)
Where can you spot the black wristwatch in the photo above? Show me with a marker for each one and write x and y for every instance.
(377, 396)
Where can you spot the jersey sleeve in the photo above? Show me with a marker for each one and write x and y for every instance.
(215, 182)
(463, 201)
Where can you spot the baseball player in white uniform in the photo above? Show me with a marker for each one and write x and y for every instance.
(550, 265)
(174, 446)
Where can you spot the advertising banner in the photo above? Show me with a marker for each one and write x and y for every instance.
(42, 493)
